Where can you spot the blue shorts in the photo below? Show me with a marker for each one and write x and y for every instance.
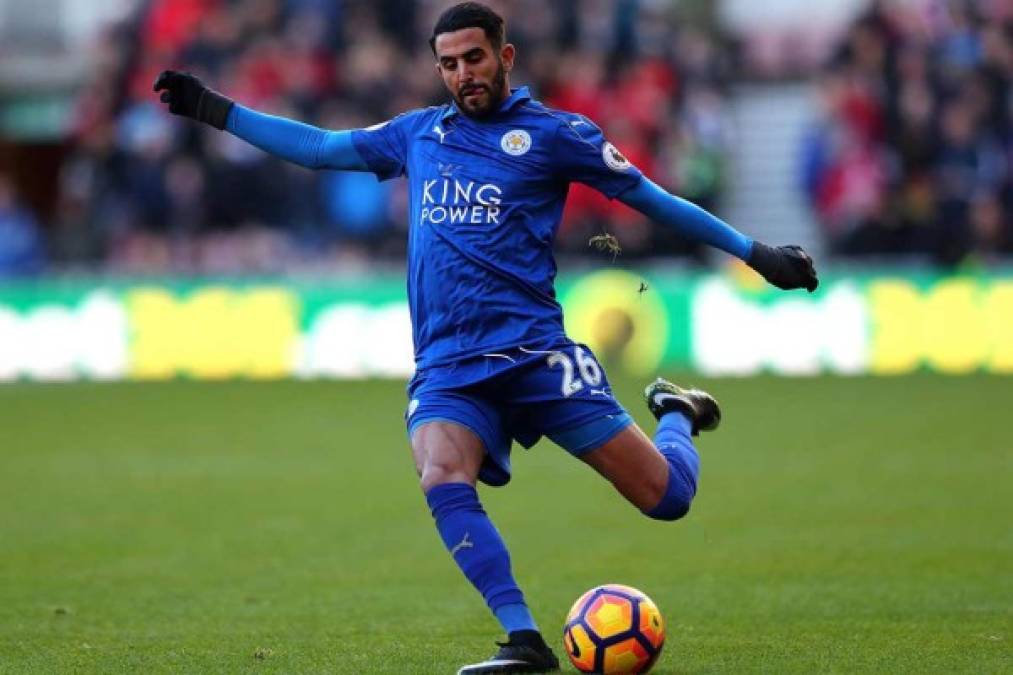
(561, 393)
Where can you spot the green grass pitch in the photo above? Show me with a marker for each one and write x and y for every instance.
(842, 525)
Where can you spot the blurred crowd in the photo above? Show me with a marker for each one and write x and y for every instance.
(145, 192)
(914, 154)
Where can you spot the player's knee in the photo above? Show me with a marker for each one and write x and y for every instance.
(651, 492)
(670, 508)
(430, 476)
(434, 473)
(674, 500)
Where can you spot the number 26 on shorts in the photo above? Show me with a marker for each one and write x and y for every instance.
(587, 368)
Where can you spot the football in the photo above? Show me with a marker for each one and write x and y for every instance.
(614, 629)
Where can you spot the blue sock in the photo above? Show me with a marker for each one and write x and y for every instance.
(479, 551)
(515, 617)
(674, 441)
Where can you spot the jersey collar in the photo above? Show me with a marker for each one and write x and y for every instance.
(517, 96)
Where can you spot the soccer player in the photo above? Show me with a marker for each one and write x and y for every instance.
(488, 175)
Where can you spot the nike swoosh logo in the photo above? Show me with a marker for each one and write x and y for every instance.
(575, 649)
(661, 397)
(492, 663)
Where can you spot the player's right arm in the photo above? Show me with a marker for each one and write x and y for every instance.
(294, 141)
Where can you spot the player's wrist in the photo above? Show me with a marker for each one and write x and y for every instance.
(762, 258)
(213, 108)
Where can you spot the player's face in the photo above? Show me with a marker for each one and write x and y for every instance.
(473, 72)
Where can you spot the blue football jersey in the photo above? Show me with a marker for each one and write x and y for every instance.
(486, 198)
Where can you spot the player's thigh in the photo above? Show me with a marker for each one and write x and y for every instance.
(564, 395)
(632, 463)
(568, 398)
(454, 430)
(446, 452)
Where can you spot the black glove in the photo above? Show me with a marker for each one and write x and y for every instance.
(187, 96)
(786, 267)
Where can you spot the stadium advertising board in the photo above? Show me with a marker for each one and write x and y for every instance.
(717, 324)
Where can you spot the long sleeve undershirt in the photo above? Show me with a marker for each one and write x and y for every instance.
(294, 141)
(686, 218)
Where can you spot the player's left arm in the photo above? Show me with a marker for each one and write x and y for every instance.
(786, 267)
(582, 154)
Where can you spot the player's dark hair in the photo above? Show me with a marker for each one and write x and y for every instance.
(470, 15)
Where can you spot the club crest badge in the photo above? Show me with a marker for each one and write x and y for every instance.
(614, 159)
(516, 142)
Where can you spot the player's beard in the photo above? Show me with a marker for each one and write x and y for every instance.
(497, 93)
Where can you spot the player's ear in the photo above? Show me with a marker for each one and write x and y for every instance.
(507, 55)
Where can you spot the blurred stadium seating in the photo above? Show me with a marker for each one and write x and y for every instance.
(907, 154)
(913, 153)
